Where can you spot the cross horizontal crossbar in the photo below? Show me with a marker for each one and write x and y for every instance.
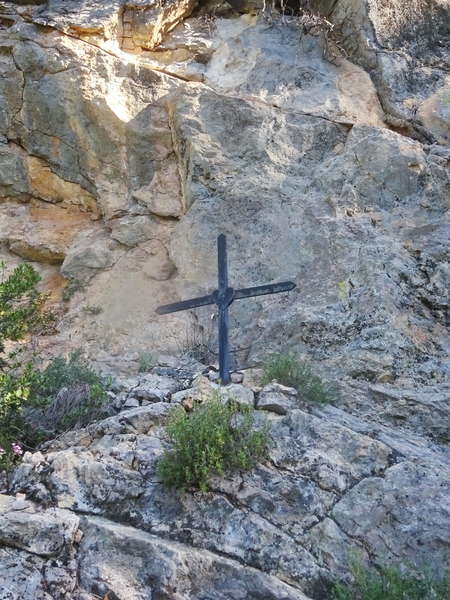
(184, 305)
(260, 290)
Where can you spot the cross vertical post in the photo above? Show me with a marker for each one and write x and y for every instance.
(223, 297)
(224, 345)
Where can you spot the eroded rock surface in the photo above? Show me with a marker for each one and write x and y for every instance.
(335, 484)
(130, 137)
(230, 123)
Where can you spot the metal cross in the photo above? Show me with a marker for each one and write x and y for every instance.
(223, 297)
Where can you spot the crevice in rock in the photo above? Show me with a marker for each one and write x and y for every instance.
(176, 144)
(23, 83)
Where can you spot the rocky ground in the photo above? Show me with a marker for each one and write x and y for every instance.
(88, 517)
(131, 136)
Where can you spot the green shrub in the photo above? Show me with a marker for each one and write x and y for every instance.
(216, 436)
(67, 393)
(70, 288)
(35, 404)
(61, 372)
(20, 304)
(145, 362)
(391, 582)
(92, 309)
(20, 312)
(288, 370)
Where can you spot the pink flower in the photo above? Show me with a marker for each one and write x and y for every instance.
(17, 449)
(1, 450)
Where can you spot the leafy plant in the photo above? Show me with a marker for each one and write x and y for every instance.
(34, 403)
(92, 309)
(71, 287)
(216, 436)
(20, 312)
(287, 369)
(343, 290)
(145, 362)
(67, 393)
(392, 582)
(20, 304)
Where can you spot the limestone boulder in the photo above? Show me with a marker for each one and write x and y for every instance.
(185, 368)
(41, 534)
(131, 421)
(238, 393)
(394, 513)
(43, 232)
(27, 527)
(283, 72)
(277, 398)
(92, 254)
(435, 115)
(156, 388)
(34, 577)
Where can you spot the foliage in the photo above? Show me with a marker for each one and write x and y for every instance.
(35, 404)
(67, 393)
(14, 391)
(20, 305)
(391, 582)
(71, 287)
(20, 312)
(217, 436)
(145, 362)
(61, 372)
(92, 309)
(288, 370)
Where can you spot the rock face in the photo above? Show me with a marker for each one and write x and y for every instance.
(335, 484)
(406, 47)
(131, 136)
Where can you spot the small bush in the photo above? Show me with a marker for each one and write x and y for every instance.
(61, 372)
(216, 437)
(288, 370)
(67, 393)
(35, 404)
(70, 288)
(92, 309)
(392, 582)
(145, 362)
(20, 312)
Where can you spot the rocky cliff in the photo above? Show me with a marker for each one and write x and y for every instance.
(131, 135)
